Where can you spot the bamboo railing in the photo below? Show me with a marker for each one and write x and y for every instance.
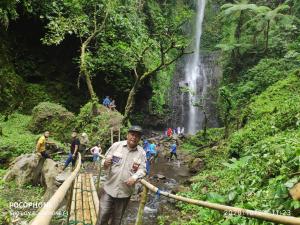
(47, 212)
(233, 210)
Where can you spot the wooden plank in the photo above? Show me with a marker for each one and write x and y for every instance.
(91, 202)
(95, 195)
(79, 215)
(86, 207)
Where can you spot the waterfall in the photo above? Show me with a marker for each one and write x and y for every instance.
(195, 76)
(194, 84)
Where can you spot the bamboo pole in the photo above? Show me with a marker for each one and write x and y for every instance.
(94, 194)
(47, 212)
(139, 218)
(111, 136)
(99, 175)
(233, 210)
(119, 135)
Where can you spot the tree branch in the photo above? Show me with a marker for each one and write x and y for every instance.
(164, 65)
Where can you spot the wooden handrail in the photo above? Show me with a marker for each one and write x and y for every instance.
(232, 210)
(45, 215)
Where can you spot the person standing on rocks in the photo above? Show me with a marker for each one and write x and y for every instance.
(148, 156)
(173, 150)
(41, 145)
(169, 132)
(96, 151)
(125, 163)
(75, 143)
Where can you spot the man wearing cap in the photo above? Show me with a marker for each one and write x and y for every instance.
(125, 162)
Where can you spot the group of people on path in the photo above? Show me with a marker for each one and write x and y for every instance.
(109, 103)
(153, 150)
(170, 132)
(76, 145)
(125, 162)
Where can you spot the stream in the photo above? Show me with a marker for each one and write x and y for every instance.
(174, 174)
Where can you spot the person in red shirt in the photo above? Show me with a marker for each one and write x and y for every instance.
(169, 132)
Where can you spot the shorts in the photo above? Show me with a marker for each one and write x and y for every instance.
(95, 158)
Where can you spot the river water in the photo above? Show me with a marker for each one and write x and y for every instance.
(174, 173)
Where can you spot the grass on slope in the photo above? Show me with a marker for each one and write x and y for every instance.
(267, 151)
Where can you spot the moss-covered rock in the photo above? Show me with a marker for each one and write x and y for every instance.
(53, 117)
(98, 127)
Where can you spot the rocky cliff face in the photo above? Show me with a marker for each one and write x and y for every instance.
(179, 103)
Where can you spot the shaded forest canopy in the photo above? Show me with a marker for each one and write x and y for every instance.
(60, 45)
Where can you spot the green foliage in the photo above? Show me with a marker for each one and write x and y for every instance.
(194, 144)
(161, 85)
(12, 90)
(35, 94)
(54, 118)
(251, 170)
(269, 114)
(8, 195)
(259, 77)
(98, 127)
(16, 139)
(8, 10)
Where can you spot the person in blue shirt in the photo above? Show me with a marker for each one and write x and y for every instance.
(106, 101)
(153, 151)
(173, 150)
(148, 156)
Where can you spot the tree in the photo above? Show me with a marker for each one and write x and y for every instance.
(8, 10)
(164, 44)
(225, 97)
(267, 17)
(85, 19)
(237, 10)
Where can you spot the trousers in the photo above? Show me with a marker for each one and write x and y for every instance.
(111, 208)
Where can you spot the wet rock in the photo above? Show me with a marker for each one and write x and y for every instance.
(25, 169)
(196, 165)
(160, 176)
(295, 191)
(204, 190)
(181, 188)
(60, 178)
(149, 210)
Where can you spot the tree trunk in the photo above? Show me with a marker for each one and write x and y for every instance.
(85, 72)
(131, 100)
(238, 32)
(205, 124)
(267, 37)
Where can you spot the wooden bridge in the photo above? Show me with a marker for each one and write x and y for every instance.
(83, 204)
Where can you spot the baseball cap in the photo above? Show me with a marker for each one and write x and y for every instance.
(135, 128)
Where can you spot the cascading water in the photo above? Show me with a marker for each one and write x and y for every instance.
(195, 75)
(198, 74)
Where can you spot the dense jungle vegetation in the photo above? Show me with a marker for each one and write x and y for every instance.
(59, 58)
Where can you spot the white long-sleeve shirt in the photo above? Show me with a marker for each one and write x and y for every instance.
(126, 163)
